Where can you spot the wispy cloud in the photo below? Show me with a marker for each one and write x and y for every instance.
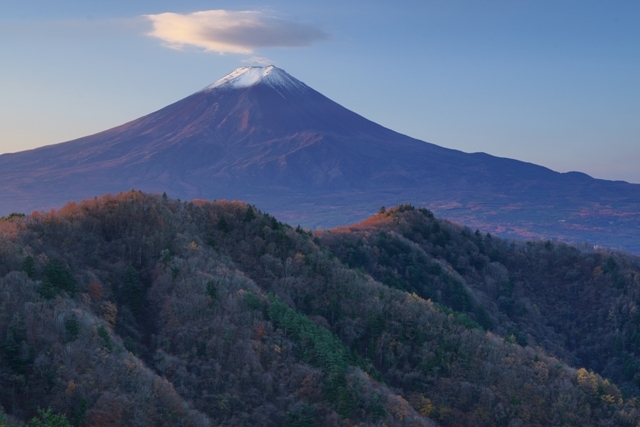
(226, 31)
(259, 60)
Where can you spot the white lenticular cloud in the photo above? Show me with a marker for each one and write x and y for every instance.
(226, 31)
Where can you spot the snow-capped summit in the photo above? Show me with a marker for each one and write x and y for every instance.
(260, 135)
(270, 75)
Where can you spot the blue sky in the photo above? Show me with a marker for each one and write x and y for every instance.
(549, 82)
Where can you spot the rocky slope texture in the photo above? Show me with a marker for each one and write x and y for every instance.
(262, 136)
(141, 310)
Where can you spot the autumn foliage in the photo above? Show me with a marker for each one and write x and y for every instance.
(136, 309)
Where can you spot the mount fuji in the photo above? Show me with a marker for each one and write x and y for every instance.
(262, 136)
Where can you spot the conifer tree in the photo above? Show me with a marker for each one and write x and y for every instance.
(132, 293)
(57, 279)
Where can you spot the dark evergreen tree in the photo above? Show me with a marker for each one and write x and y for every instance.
(250, 215)
(72, 327)
(29, 266)
(222, 225)
(132, 292)
(57, 279)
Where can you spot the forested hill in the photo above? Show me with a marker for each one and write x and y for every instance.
(140, 310)
(579, 304)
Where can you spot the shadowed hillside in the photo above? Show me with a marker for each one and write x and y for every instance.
(141, 310)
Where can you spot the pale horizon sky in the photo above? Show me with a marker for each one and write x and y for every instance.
(549, 82)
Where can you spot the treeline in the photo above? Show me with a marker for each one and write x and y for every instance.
(140, 310)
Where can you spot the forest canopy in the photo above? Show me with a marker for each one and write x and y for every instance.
(135, 309)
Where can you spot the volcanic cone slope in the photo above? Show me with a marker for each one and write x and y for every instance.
(262, 136)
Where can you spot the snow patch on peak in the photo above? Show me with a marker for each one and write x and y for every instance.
(243, 77)
(270, 75)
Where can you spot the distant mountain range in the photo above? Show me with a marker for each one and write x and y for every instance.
(262, 136)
